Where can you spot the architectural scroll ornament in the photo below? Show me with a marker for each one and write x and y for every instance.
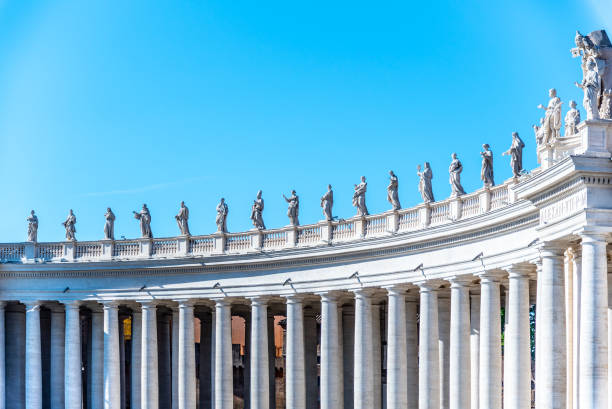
(32, 227)
(359, 197)
(293, 209)
(257, 212)
(392, 191)
(69, 225)
(327, 203)
(182, 220)
(109, 225)
(145, 222)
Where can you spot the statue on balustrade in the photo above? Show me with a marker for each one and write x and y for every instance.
(596, 63)
(392, 191)
(32, 227)
(69, 225)
(221, 219)
(486, 172)
(327, 202)
(516, 155)
(145, 222)
(293, 209)
(552, 119)
(182, 220)
(359, 197)
(109, 226)
(539, 132)
(454, 171)
(572, 119)
(425, 187)
(591, 86)
(257, 212)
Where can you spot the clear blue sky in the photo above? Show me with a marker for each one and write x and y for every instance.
(119, 103)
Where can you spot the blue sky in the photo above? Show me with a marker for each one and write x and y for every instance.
(113, 103)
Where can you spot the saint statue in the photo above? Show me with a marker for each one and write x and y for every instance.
(327, 202)
(425, 178)
(539, 132)
(221, 219)
(257, 212)
(454, 172)
(392, 191)
(552, 118)
(591, 86)
(109, 226)
(69, 225)
(516, 155)
(182, 220)
(486, 172)
(293, 209)
(359, 197)
(145, 222)
(572, 119)
(32, 227)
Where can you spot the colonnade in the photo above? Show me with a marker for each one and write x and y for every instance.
(428, 344)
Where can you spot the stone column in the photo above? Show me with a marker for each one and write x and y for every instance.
(295, 381)
(412, 353)
(136, 372)
(340, 356)
(593, 322)
(397, 388)
(330, 365)
(72, 369)
(444, 347)
(517, 360)
(164, 363)
(112, 385)
(223, 356)
(175, 358)
(58, 339)
(260, 381)
(490, 343)
(33, 367)
(429, 355)
(348, 352)
(363, 388)
(310, 354)
(271, 362)
(376, 356)
(205, 361)
(551, 370)
(474, 350)
(246, 371)
(186, 370)
(15, 355)
(149, 381)
(577, 270)
(459, 366)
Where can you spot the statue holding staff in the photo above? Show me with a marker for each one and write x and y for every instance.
(392, 191)
(327, 202)
(425, 187)
(293, 209)
(257, 212)
(145, 222)
(69, 225)
(516, 155)
(182, 219)
(32, 227)
(454, 172)
(359, 197)
(486, 172)
(552, 118)
(221, 219)
(109, 225)
(591, 85)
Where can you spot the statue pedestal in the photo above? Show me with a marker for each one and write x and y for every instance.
(596, 135)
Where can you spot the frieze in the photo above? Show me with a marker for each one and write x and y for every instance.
(564, 207)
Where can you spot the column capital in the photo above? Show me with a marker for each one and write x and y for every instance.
(329, 296)
(295, 298)
(429, 285)
(592, 234)
(551, 248)
(522, 270)
(259, 300)
(396, 290)
(461, 281)
(366, 292)
(223, 302)
(32, 304)
(186, 303)
(492, 276)
(110, 304)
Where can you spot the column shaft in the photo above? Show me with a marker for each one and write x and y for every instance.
(376, 357)
(164, 362)
(364, 395)
(223, 356)
(444, 348)
(187, 376)
(310, 352)
(260, 380)
(136, 373)
(459, 366)
(72, 387)
(149, 381)
(330, 365)
(429, 356)
(348, 352)
(474, 350)
(205, 361)
(490, 344)
(112, 386)
(58, 339)
(175, 357)
(295, 381)
(412, 354)
(397, 388)
(33, 368)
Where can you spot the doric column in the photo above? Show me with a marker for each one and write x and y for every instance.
(223, 356)
(330, 365)
(2, 357)
(72, 368)
(187, 375)
(296, 376)
(593, 323)
(271, 362)
(112, 385)
(260, 386)
(15, 322)
(363, 388)
(340, 356)
(459, 366)
(175, 358)
(58, 339)
(33, 367)
(551, 370)
(517, 344)
(149, 381)
(474, 349)
(397, 393)
(412, 352)
(429, 355)
(376, 356)
(577, 270)
(205, 360)
(444, 347)
(310, 353)
(164, 364)
(490, 343)
(96, 380)
(246, 372)
(348, 352)
(136, 372)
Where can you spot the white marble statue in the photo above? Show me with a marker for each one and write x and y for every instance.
(572, 119)
(69, 225)
(552, 119)
(539, 132)
(591, 86)
(454, 171)
(145, 222)
(109, 225)
(486, 172)
(221, 219)
(359, 197)
(327, 202)
(516, 155)
(182, 220)
(425, 187)
(392, 191)
(257, 212)
(293, 208)
(32, 227)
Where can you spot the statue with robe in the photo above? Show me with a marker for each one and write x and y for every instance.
(293, 208)
(182, 219)
(486, 172)
(392, 191)
(516, 154)
(32, 227)
(145, 222)
(591, 86)
(552, 118)
(539, 132)
(327, 202)
(221, 219)
(257, 212)
(572, 119)
(425, 187)
(69, 225)
(359, 197)
(454, 172)
(109, 225)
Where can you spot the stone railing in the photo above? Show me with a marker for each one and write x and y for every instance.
(320, 234)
